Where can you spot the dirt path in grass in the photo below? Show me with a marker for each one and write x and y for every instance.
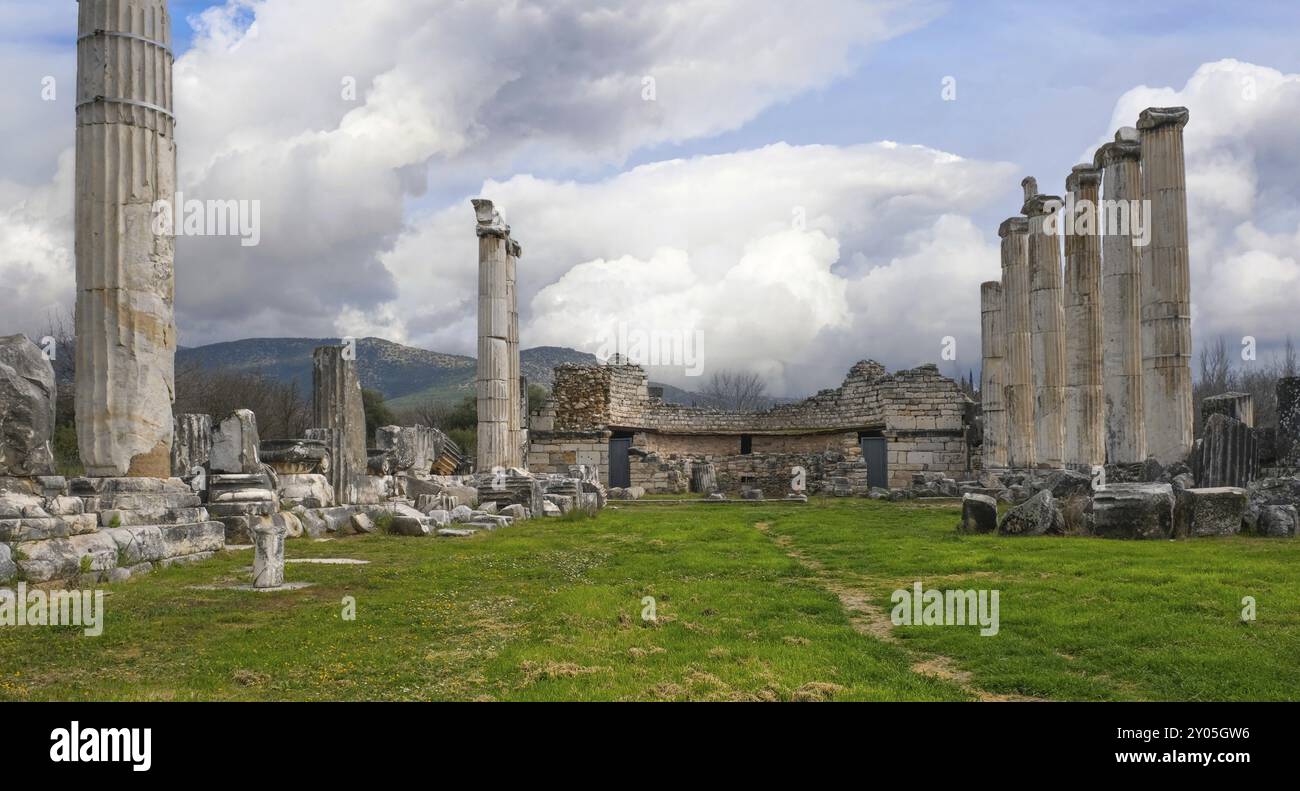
(870, 620)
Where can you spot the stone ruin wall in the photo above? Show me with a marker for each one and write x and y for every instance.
(919, 412)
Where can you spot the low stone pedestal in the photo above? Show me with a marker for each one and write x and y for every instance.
(239, 500)
(268, 554)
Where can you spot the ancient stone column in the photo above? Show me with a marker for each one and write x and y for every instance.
(1121, 299)
(1085, 416)
(1166, 288)
(1046, 324)
(496, 402)
(1288, 421)
(126, 163)
(1017, 360)
(992, 375)
(516, 423)
(338, 410)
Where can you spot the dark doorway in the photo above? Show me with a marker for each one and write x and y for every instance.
(746, 444)
(620, 463)
(875, 452)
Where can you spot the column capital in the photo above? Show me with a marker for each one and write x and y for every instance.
(1039, 205)
(1112, 153)
(990, 287)
(1086, 175)
(1155, 117)
(489, 219)
(1013, 225)
(514, 249)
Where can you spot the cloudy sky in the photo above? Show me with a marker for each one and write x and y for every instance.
(788, 182)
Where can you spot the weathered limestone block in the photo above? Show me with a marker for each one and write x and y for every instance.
(1126, 437)
(8, 569)
(39, 528)
(191, 443)
(311, 491)
(126, 163)
(1215, 511)
(1278, 521)
(1166, 288)
(268, 553)
(1039, 515)
(1133, 510)
(61, 558)
(235, 444)
(27, 396)
(1238, 406)
(979, 514)
(1227, 454)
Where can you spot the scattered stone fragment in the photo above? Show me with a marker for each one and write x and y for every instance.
(979, 514)
(1037, 516)
(1134, 510)
(1278, 521)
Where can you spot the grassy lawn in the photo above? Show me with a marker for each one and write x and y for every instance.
(754, 602)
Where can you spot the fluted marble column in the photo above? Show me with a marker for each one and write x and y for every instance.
(992, 374)
(1018, 369)
(516, 425)
(1166, 288)
(1047, 325)
(1085, 430)
(495, 400)
(1121, 299)
(337, 406)
(126, 162)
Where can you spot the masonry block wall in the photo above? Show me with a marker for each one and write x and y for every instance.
(919, 412)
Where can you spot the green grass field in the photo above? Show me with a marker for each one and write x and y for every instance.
(753, 602)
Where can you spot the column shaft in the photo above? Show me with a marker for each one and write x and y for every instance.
(1047, 326)
(495, 403)
(1085, 444)
(1166, 288)
(1018, 370)
(992, 374)
(126, 163)
(1126, 435)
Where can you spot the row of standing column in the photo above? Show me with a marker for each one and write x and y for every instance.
(1093, 365)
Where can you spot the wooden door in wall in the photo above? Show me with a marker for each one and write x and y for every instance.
(620, 464)
(875, 452)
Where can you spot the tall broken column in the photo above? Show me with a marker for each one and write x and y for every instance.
(1085, 415)
(339, 417)
(1166, 288)
(992, 374)
(1017, 359)
(1121, 298)
(496, 399)
(1046, 324)
(516, 426)
(126, 163)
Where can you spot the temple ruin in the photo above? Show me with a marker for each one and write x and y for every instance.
(1110, 335)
